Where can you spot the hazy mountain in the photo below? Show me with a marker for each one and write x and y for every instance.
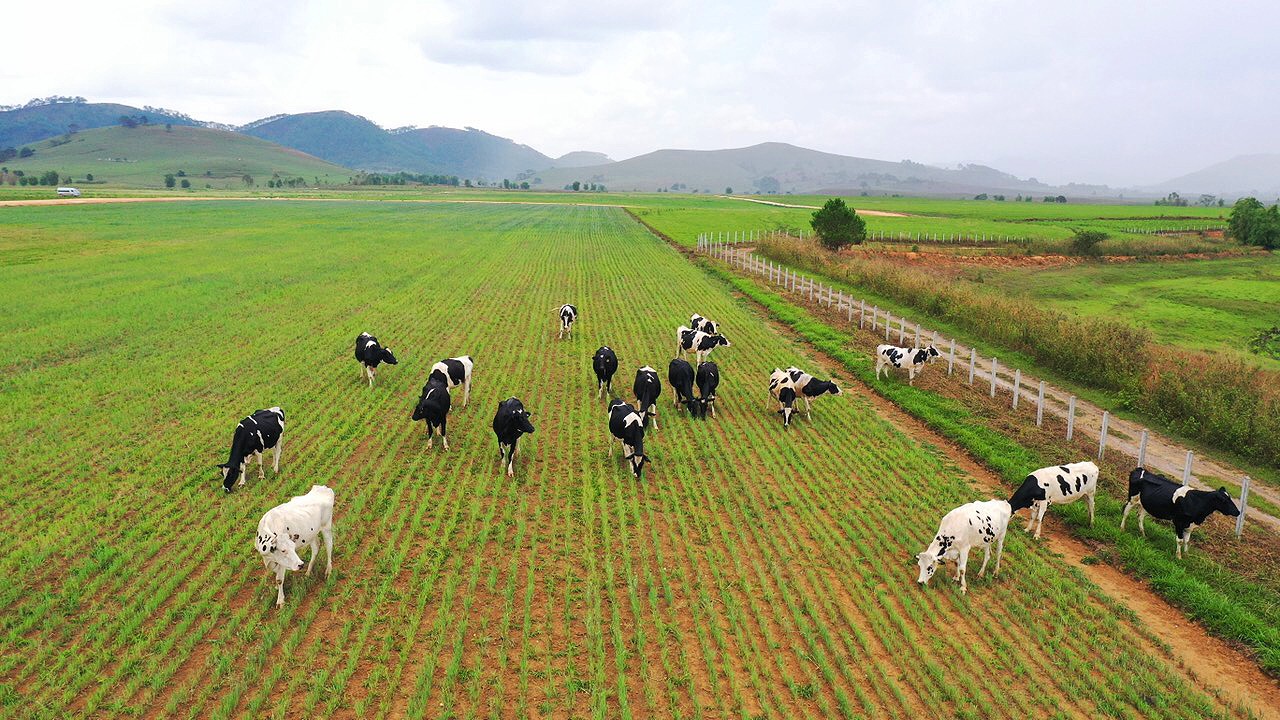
(581, 158)
(1257, 175)
(345, 139)
(472, 153)
(41, 120)
(779, 167)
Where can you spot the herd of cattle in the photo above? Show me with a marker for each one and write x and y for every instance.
(288, 529)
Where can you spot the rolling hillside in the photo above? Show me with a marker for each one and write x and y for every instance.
(142, 156)
(1257, 175)
(25, 125)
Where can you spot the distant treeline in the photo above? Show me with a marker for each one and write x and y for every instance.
(403, 178)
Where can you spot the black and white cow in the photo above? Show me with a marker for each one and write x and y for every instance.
(286, 530)
(778, 378)
(454, 372)
(977, 524)
(627, 425)
(808, 387)
(689, 340)
(257, 433)
(605, 363)
(568, 316)
(1057, 485)
(786, 403)
(370, 354)
(433, 406)
(913, 359)
(647, 389)
(509, 423)
(697, 322)
(1187, 509)
(680, 375)
(708, 379)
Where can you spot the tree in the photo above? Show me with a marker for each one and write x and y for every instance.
(1060, 198)
(247, 179)
(26, 152)
(524, 185)
(1085, 242)
(576, 186)
(1252, 223)
(169, 182)
(980, 196)
(837, 225)
(128, 121)
(50, 177)
(728, 191)
(185, 183)
(89, 177)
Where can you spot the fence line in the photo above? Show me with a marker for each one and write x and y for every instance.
(727, 246)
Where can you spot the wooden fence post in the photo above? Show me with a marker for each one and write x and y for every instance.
(902, 329)
(993, 377)
(1102, 436)
(888, 323)
(1142, 450)
(1244, 505)
(1040, 405)
(1017, 386)
(1186, 469)
(951, 357)
(1071, 417)
(862, 312)
(973, 359)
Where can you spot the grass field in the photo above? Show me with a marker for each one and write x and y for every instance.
(753, 573)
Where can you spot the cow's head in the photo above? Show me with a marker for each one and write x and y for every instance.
(388, 357)
(1223, 503)
(787, 396)
(708, 327)
(931, 353)
(928, 563)
(279, 549)
(720, 340)
(638, 459)
(521, 420)
(230, 473)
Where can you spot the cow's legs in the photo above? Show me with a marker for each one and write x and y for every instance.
(1127, 507)
(275, 463)
(315, 550)
(371, 373)
(328, 549)
(961, 565)
(807, 407)
(911, 375)
(1142, 515)
(1089, 497)
(244, 467)
(466, 392)
(262, 475)
(999, 552)
(280, 571)
(1044, 507)
(1031, 516)
(985, 557)
(443, 430)
(654, 407)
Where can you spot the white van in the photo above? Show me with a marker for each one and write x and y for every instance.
(68, 192)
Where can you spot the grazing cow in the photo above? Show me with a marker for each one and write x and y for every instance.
(778, 378)
(680, 375)
(433, 406)
(285, 530)
(976, 524)
(708, 380)
(454, 372)
(1055, 485)
(698, 342)
(257, 433)
(1187, 509)
(807, 386)
(647, 389)
(697, 322)
(605, 363)
(786, 403)
(627, 425)
(369, 353)
(568, 316)
(913, 359)
(510, 422)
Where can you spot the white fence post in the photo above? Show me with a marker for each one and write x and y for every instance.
(951, 357)
(917, 335)
(1040, 405)
(1244, 505)
(1017, 386)
(1142, 450)
(973, 359)
(888, 323)
(1186, 469)
(810, 289)
(993, 377)
(1071, 417)
(902, 329)
(875, 316)
(862, 313)
(1102, 436)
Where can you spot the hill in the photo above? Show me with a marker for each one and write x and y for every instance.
(582, 158)
(39, 121)
(141, 156)
(780, 167)
(1257, 175)
(472, 153)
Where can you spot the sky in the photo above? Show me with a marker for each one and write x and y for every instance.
(1123, 93)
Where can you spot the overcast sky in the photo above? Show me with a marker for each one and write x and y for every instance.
(1111, 92)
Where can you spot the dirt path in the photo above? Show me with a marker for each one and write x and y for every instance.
(869, 213)
(1162, 454)
(1204, 659)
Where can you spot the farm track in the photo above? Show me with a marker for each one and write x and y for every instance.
(752, 572)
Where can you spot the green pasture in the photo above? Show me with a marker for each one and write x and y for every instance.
(753, 572)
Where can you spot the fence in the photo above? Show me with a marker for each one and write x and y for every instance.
(729, 247)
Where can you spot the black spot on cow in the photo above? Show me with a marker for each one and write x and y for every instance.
(1064, 485)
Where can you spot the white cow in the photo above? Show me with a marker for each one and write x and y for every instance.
(286, 529)
(568, 316)
(1056, 485)
(913, 359)
(976, 524)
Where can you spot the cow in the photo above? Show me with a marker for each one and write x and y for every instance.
(708, 379)
(370, 354)
(778, 378)
(647, 389)
(454, 372)
(786, 403)
(285, 530)
(605, 363)
(1187, 509)
(568, 316)
(695, 341)
(977, 524)
(254, 435)
(627, 425)
(1055, 486)
(509, 423)
(697, 322)
(913, 359)
(433, 406)
(807, 387)
(680, 375)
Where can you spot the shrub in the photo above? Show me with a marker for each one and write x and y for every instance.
(1085, 242)
(838, 226)
(1252, 223)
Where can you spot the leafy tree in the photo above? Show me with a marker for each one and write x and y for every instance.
(728, 191)
(50, 177)
(182, 173)
(26, 152)
(128, 121)
(837, 225)
(247, 179)
(1266, 342)
(1252, 223)
(185, 183)
(1085, 242)
(89, 177)
(1060, 198)
(524, 185)
(980, 196)
(576, 186)
(169, 182)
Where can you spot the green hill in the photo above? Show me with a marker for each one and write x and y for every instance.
(141, 156)
(35, 122)
(346, 139)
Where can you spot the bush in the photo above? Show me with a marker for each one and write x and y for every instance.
(838, 226)
(1252, 223)
(1085, 242)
